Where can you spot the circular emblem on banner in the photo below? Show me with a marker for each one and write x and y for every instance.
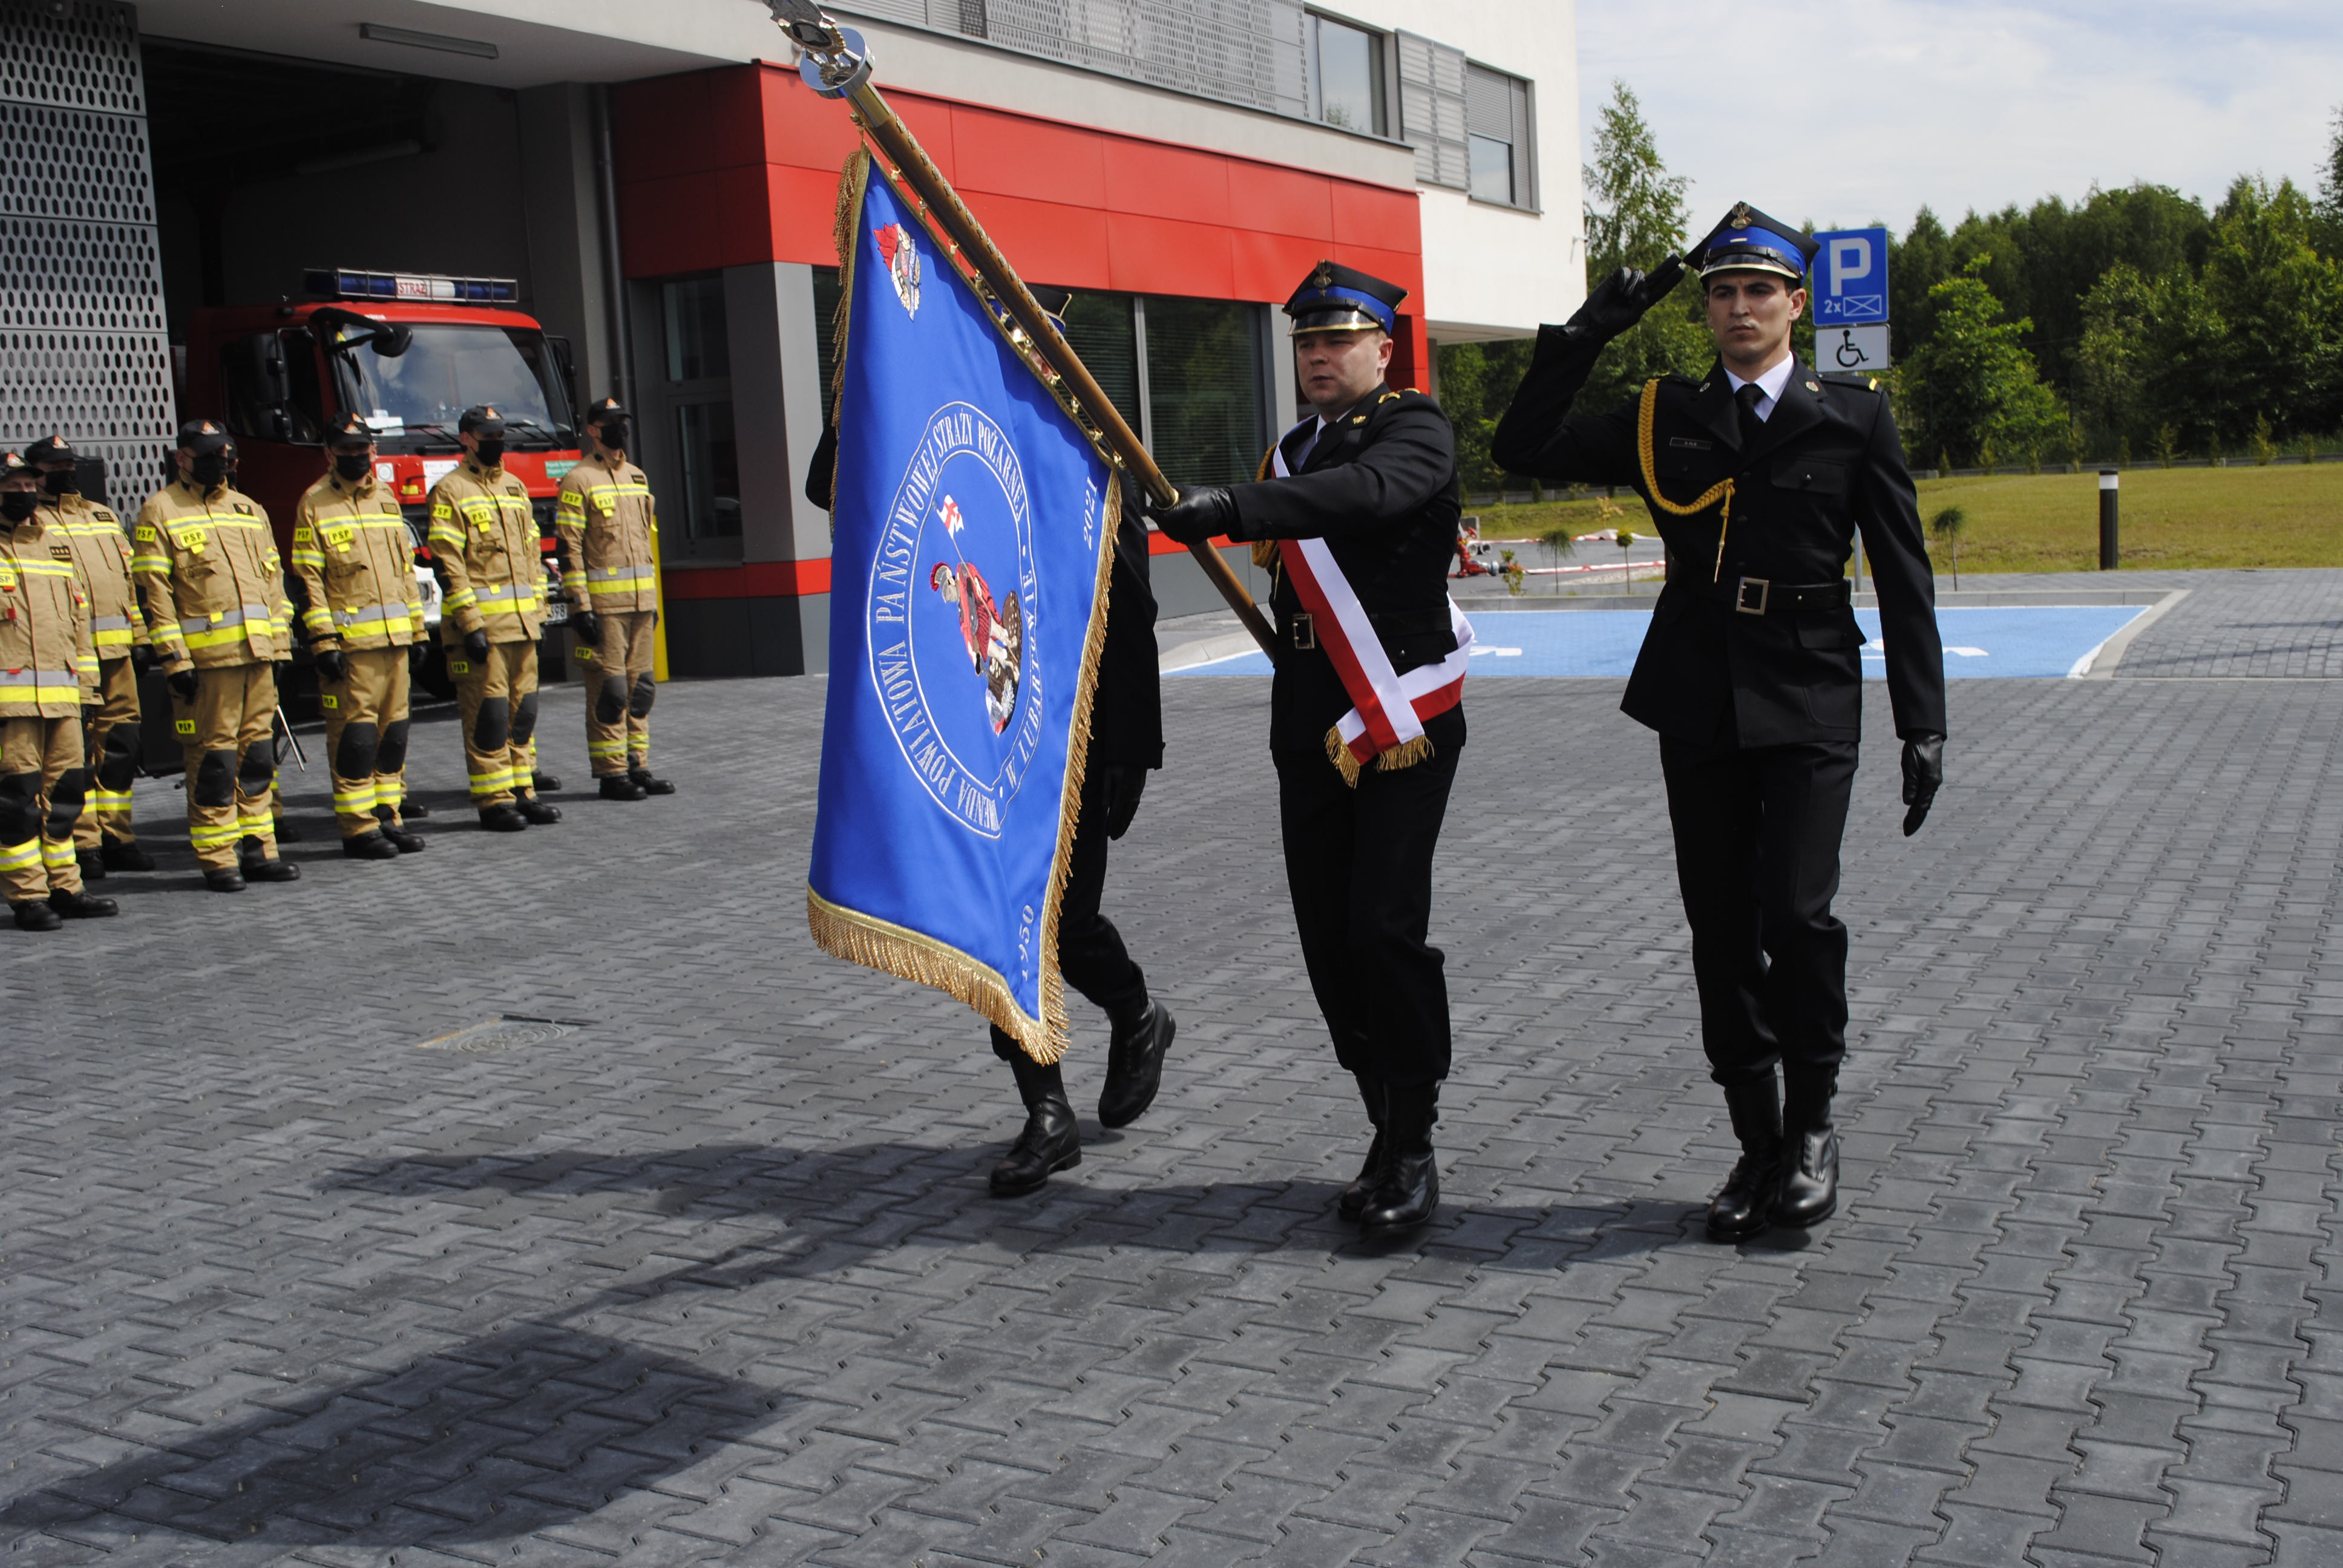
(952, 618)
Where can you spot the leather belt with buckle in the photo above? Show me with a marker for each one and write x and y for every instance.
(1763, 595)
(1750, 594)
(1304, 628)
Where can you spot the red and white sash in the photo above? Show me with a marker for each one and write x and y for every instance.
(1385, 724)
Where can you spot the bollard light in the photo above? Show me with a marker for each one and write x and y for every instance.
(2107, 549)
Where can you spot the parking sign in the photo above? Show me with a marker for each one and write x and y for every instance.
(1851, 277)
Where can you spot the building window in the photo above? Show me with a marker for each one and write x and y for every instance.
(1432, 110)
(1103, 329)
(1344, 74)
(703, 517)
(1202, 365)
(1497, 128)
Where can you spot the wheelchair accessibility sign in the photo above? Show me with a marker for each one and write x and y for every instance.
(1851, 350)
(1851, 277)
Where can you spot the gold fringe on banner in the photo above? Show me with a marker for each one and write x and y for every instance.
(897, 950)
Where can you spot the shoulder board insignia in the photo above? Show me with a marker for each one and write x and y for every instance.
(1358, 419)
(62, 552)
(1873, 384)
(1393, 397)
(390, 507)
(244, 506)
(1814, 386)
(512, 489)
(103, 516)
(1704, 386)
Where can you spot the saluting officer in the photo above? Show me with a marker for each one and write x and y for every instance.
(103, 838)
(354, 562)
(1758, 475)
(484, 544)
(610, 568)
(1358, 525)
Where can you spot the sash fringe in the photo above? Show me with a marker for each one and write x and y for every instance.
(1406, 754)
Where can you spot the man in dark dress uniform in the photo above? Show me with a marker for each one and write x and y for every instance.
(1126, 744)
(1360, 522)
(1758, 476)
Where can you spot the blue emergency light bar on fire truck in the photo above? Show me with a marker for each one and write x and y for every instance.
(351, 283)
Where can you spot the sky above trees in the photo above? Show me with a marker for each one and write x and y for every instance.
(1880, 106)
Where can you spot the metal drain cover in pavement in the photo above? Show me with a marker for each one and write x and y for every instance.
(506, 1032)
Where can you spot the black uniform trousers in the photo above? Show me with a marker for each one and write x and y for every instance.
(1091, 954)
(1359, 864)
(1757, 836)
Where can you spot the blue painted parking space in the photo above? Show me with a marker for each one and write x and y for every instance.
(1985, 641)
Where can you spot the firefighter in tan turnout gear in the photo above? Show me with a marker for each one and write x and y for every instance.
(362, 613)
(608, 520)
(484, 544)
(213, 586)
(103, 838)
(48, 678)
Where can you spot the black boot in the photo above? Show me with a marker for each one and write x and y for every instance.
(285, 833)
(544, 783)
(374, 845)
(619, 786)
(538, 812)
(407, 843)
(1052, 1140)
(1739, 1210)
(504, 818)
(223, 879)
(1408, 1192)
(82, 906)
(414, 809)
(1809, 1189)
(1353, 1201)
(1134, 1065)
(34, 915)
(92, 863)
(119, 857)
(648, 784)
(271, 871)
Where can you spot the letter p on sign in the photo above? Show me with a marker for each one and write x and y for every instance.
(1851, 281)
(1849, 260)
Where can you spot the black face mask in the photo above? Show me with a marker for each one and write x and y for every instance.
(352, 466)
(64, 482)
(490, 454)
(209, 469)
(612, 436)
(17, 505)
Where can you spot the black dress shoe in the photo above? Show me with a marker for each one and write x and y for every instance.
(503, 819)
(406, 843)
(1135, 1067)
(1741, 1207)
(374, 846)
(1408, 1192)
(1052, 1141)
(34, 915)
(649, 785)
(82, 906)
(1354, 1199)
(538, 812)
(1809, 1190)
(619, 786)
(125, 857)
(223, 879)
(543, 782)
(92, 863)
(269, 871)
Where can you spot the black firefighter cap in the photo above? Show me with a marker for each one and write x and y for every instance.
(480, 420)
(606, 411)
(1337, 299)
(349, 430)
(12, 464)
(1749, 241)
(203, 437)
(50, 450)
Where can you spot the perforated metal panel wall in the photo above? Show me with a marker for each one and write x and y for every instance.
(84, 349)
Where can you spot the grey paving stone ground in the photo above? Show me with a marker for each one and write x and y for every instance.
(714, 1277)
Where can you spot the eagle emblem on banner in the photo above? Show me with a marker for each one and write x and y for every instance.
(902, 257)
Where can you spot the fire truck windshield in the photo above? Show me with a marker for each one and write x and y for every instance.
(413, 400)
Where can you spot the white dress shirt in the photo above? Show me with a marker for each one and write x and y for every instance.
(1771, 383)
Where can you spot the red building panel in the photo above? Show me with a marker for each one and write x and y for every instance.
(1167, 182)
(1011, 155)
(1266, 199)
(1162, 255)
(1043, 239)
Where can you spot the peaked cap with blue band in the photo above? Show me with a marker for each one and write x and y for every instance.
(1336, 298)
(1749, 241)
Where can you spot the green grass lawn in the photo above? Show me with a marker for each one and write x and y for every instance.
(2287, 514)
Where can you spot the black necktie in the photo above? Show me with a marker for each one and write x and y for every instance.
(1749, 396)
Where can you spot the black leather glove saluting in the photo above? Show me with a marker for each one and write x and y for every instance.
(417, 652)
(587, 627)
(142, 657)
(182, 684)
(1198, 515)
(1123, 784)
(1924, 775)
(476, 646)
(332, 668)
(1620, 300)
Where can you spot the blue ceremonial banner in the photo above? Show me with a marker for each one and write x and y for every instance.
(973, 528)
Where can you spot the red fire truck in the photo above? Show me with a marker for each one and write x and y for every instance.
(408, 353)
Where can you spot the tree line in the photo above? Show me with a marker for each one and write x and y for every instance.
(2130, 326)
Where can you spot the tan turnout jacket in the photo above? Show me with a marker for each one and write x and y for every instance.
(356, 561)
(48, 667)
(607, 520)
(102, 550)
(484, 542)
(210, 578)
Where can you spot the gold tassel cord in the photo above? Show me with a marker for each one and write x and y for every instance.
(1720, 491)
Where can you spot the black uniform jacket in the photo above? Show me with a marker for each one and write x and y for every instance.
(1827, 463)
(1127, 708)
(1379, 488)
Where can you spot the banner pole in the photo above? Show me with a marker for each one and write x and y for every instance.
(814, 32)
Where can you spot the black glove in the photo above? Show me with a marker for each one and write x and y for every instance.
(89, 712)
(476, 646)
(1620, 300)
(182, 684)
(142, 657)
(1121, 786)
(587, 627)
(1924, 775)
(1198, 515)
(417, 652)
(332, 668)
